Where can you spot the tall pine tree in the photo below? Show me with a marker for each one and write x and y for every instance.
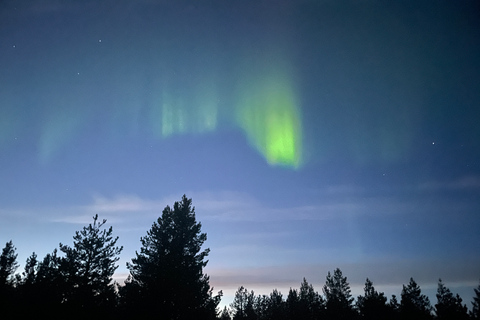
(414, 305)
(373, 305)
(8, 265)
(166, 277)
(448, 306)
(475, 312)
(87, 268)
(339, 300)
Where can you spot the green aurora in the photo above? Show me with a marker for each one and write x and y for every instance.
(267, 110)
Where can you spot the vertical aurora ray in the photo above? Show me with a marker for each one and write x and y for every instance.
(192, 110)
(268, 112)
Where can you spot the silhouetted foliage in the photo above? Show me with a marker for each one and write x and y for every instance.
(475, 312)
(49, 280)
(225, 314)
(394, 307)
(27, 287)
(448, 306)
(88, 267)
(414, 305)
(339, 300)
(8, 265)
(275, 306)
(243, 305)
(29, 274)
(373, 305)
(312, 304)
(305, 303)
(166, 276)
(294, 310)
(166, 281)
(261, 306)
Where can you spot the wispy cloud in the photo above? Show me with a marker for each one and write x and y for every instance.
(226, 206)
(463, 183)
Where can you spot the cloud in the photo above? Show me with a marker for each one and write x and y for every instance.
(464, 183)
(335, 202)
(124, 203)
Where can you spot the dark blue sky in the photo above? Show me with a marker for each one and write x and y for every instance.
(310, 134)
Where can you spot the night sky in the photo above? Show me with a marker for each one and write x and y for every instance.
(310, 134)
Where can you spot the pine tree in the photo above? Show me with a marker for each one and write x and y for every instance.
(29, 274)
(48, 282)
(394, 307)
(311, 303)
(294, 310)
(166, 276)
(27, 287)
(339, 300)
(88, 267)
(475, 312)
(8, 265)
(225, 314)
(275, 306)
(414, 305)
(448, 306)
(373, 305)
(243, 305)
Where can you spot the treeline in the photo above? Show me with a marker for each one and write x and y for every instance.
(337, 303)
(166, 281)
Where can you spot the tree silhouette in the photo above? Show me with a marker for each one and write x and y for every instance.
(373, 305)
(8, 265)
(88, 267)
(166, 276)
(29, 274)
(414, 305)
(293, 305)
(28, 289)
(394, 307)
(225, 314)
(243, 305)
(261, 307)
(49, 283)
(475, 312)
(339, 301)
(275, 306)
(448, 306)
(311, 304)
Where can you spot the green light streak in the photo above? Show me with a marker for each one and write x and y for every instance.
(177, 113)
(268, 112)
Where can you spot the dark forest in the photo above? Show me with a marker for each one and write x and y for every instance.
(167, 281)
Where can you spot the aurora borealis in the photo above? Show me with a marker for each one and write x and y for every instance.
(310, 134)
(269, 113)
